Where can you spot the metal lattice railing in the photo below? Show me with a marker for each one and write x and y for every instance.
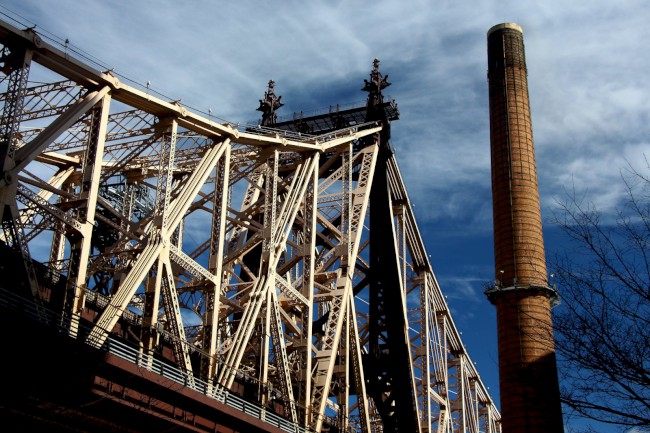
(11, 301)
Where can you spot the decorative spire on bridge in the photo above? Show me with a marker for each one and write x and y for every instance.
(375, 109)
(269, 105)
(374, 86)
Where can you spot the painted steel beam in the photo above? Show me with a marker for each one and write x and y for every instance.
(263, 234)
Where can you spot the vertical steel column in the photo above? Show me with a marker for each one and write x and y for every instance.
(57, 248)
(85, 213)
(388, 364)
(268, 255)
(389, 361)
(358, 374)
(175, 320)
(354, 203)
(528, 374)
(149, 334)
(342, 379)
(308, 251)
(215, 265)
(155, 284)
(18, 61)
(326, 358)
(426, 355)
(128, 204)
(165, 173)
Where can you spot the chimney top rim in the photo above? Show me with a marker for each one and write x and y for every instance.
(513, 26)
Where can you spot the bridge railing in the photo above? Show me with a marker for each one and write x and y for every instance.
(305, 137)
(29, 309)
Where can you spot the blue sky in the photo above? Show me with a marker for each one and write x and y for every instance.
(587, 62)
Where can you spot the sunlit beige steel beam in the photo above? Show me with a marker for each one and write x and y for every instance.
(80, 243)
(301, 200)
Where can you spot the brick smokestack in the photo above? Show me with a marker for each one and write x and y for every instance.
(527, 369)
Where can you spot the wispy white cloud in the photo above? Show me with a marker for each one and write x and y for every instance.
(465, 288)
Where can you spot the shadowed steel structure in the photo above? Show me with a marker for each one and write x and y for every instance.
(530, 399)
(192, 266)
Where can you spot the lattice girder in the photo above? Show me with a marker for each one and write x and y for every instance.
(240, 256)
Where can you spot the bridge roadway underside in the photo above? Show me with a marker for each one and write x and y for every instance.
(52, 383)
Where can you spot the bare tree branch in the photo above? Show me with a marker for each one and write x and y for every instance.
(603, 325)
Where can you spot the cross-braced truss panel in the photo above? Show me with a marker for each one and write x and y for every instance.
(241, 257)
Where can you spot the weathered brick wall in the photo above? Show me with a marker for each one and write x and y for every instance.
(518, 239)
(528, 375)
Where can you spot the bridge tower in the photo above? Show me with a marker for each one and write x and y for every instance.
(390, 384)
(523, 298)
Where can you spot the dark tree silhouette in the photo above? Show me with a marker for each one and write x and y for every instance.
(603, 322)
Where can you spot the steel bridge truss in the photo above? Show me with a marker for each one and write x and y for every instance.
(244, 254)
